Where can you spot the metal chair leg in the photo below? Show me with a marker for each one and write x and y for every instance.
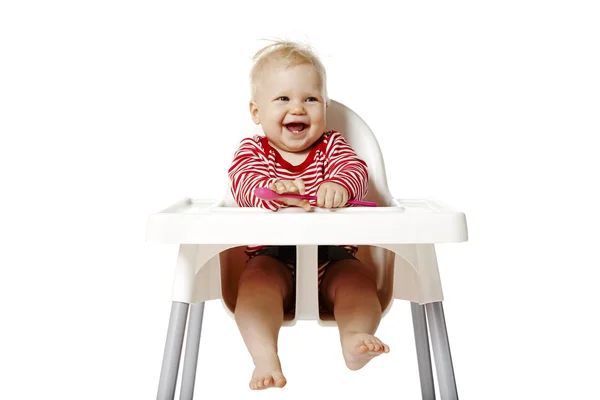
(423, 353)
(441, 351)
(172, 354)
(188, 378)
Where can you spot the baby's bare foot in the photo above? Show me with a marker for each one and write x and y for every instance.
(267, 373)
(360, 348)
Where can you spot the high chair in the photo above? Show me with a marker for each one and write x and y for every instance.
(398, 237)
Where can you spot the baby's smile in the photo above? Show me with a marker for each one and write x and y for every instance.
(296, 128)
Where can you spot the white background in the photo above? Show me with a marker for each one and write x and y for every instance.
(113, 110)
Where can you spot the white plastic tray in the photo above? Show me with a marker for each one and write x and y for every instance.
(205, 221)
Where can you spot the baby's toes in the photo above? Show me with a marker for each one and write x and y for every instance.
(381, 347)
(259, 383)
(370, 345)
(362, 348)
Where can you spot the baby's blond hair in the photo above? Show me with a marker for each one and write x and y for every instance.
(292, 53)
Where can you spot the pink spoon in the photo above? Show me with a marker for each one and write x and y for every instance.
(267, 194)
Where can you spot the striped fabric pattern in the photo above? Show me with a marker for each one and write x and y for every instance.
(257, 164)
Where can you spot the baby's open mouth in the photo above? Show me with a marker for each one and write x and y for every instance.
(296, 127)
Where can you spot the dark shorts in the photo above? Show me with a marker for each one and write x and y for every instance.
(287, 256)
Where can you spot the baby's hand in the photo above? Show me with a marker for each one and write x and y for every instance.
(295, 187)
(331, 195)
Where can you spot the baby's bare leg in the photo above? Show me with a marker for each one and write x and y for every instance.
(349, 289)
(264, 288)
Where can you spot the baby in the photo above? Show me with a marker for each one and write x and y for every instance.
(289, 99)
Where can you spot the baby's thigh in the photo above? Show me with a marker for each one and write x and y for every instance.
(263, 273)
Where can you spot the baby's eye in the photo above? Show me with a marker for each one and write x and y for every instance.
(311, 99)
(283, 98)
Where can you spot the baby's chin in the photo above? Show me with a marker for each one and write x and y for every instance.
(299, 144)
(293, 141)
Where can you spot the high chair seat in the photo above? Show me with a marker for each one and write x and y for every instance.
(397, 237)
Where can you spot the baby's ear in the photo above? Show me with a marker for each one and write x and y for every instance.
(254, 112)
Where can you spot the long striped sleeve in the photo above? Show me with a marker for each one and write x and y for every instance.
(345, 168)
(249, 170)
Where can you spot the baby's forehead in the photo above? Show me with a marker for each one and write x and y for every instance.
(271, 74)
(275, 69)
(271, 67)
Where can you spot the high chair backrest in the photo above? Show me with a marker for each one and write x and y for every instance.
(360, 137)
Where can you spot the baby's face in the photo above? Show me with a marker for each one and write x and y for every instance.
(290, 106)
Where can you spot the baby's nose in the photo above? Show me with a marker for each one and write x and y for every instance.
(297, 109)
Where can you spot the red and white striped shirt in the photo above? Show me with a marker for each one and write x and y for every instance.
(257, 164)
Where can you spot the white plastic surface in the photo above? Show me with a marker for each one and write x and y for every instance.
(397, 237)
(210, 222)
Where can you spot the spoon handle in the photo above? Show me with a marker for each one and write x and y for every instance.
(306, 197)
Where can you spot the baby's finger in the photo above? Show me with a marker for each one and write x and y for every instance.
(300, 185)
(290, 187)
(300, 203)
(338, 197)
(329, 198)
(344, 198)
(280, 187)
(321, 193)
(305, 204)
